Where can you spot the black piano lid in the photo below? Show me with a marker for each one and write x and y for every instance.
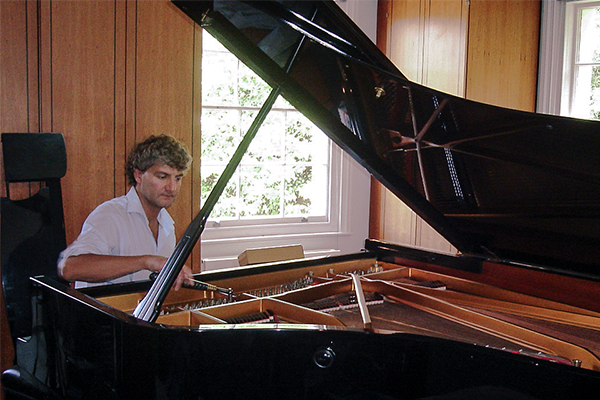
(500, 184)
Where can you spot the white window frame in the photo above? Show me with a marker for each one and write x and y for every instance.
(248, 227)
(348, 223)
(557, 54)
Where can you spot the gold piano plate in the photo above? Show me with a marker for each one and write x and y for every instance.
(389, 298)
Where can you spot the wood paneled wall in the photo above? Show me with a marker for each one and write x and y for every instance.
(503, 53)
(105, 74)
(484, 50)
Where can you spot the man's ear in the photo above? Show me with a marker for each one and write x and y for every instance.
(137, 175)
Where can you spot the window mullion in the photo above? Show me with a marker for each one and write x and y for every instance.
(238, 192)
(284, 165)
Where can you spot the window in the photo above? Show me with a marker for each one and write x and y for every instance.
(569, 81)
(293, 185)
(285, 174)
(581, 81)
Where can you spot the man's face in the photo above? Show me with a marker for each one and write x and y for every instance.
(158, 186)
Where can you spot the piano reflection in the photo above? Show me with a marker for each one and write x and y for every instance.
(514, 315)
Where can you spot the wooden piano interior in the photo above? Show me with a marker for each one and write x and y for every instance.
(387, 298)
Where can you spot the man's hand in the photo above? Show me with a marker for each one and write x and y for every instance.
(156, 263)
(185, 276)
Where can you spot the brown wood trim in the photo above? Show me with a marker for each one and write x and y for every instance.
(120, 92)
(384, 10)
(45, 66)
(33, 68)
(375, 210)
(129, 138)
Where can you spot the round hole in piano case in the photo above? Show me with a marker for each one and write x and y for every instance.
(324, 357)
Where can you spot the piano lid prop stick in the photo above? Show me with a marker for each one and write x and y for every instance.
(149, 308)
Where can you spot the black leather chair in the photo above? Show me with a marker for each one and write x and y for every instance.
(32, 235)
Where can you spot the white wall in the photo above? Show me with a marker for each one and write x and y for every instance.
(363, 13)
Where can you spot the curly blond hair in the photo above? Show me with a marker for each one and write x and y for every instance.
(162, 149)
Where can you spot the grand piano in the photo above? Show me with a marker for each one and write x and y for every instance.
(515, 314)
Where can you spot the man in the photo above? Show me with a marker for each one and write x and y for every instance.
(132, 235)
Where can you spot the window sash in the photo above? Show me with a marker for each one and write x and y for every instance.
(329, 222)
(575, 89)
(216, 158)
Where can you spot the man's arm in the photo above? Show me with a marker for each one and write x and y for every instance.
(100, 268)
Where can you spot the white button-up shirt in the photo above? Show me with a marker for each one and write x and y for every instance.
(119, 227)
